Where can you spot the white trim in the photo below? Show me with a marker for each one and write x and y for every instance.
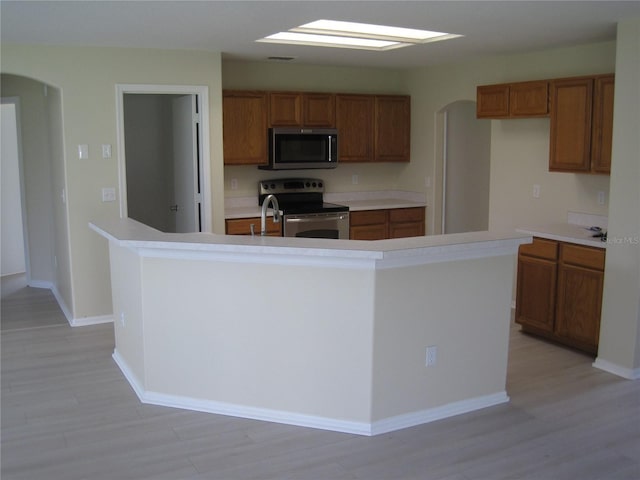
(95, 320)
(205, 143)
(624, 372)
(438, 413)
(74, 322)
(311, 421)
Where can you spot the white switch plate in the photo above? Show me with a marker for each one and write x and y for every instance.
(601, 198)
(431, 356)
(83, 151)
(106, 151)
(109, 194)
(354, 179)
(234, 184)
(536, 191)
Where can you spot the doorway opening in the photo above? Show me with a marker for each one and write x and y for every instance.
(163, 146)
(462, 169)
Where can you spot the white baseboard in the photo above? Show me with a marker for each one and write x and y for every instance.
(312, 421)
(624, 372)
(437, 413)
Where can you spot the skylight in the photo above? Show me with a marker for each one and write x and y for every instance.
(333, 33)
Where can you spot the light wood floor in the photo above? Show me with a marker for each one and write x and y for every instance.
(68, 413)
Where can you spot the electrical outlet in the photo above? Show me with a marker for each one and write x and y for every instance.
(234, 184)
(431, 356)
(109, 194)
(106, 151)
(354, 179)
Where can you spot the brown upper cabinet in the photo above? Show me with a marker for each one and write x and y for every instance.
(602, 128)
(513, 100)
(373, 128)
(355, 122)
(293, 109)
(244, 124)
(581, 124)
(392, 128)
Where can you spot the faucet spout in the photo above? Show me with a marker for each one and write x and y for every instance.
(269, 199)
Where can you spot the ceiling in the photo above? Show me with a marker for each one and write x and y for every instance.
(231, 27)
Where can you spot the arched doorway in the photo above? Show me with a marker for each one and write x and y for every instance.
(463, 148)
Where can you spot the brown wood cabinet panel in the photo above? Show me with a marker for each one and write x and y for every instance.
(541, 248)
(492, 101)
(588, 257)
(579, 305)
(405, 230)
(354, 120)
(242, 226)
(368, 232)
(602, 129)
(244, 117)
(570, 142)
(529, 99)
(561, 300)
(401, 215)
(368, 217)
(406, 222)
(392, 128)
(285, 109)
(319, 110)
(536, 293)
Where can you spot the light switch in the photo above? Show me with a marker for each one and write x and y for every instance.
(109, 194)
(106, 151)
(83, 151)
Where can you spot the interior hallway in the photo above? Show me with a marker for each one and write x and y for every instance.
(68, 413)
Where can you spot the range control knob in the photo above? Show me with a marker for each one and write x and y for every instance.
(265, 186)
(320, 184)
(273, 185)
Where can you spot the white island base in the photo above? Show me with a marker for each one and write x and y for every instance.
(329, 334)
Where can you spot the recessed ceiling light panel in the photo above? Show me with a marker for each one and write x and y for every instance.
(333, 33)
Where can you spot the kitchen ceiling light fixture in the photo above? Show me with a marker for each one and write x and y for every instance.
(334, 33)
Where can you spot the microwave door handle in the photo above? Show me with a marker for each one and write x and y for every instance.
(330, 152)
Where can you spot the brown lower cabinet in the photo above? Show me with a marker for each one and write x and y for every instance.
(242, 226)
(387, 223)
(559, 292)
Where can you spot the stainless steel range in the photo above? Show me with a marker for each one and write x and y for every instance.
(305, 213)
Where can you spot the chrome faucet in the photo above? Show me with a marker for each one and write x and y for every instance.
(269, 199)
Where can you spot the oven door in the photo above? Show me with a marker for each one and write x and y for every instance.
(317, 225)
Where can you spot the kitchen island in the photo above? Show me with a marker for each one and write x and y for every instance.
(321, 333)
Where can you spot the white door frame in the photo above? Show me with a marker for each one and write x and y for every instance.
(205, 158)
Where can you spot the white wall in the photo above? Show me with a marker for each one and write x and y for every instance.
(87, 79)
(620, 328)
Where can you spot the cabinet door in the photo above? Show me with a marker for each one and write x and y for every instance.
(602, 132)
(319, 110)
(529, 99)
(392, 128)
(570, 142)
(369, 225)
(536, 293)
(492, 101)
(244, 118)
(354, 120)
(579, 305)
(406, 222)
(285, 109)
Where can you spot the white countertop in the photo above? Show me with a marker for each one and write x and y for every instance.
(565, 232)
(383, 253)
(247, 207)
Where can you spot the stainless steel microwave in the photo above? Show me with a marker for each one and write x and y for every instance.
(302, 148)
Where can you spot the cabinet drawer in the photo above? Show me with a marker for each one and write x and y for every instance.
(541, 248)
(368, 217)
(406, 215)
(242, 226)
(588, 257)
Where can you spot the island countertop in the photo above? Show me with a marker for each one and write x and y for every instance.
(412, 250)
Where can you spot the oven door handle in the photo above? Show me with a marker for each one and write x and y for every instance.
(315, 219)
